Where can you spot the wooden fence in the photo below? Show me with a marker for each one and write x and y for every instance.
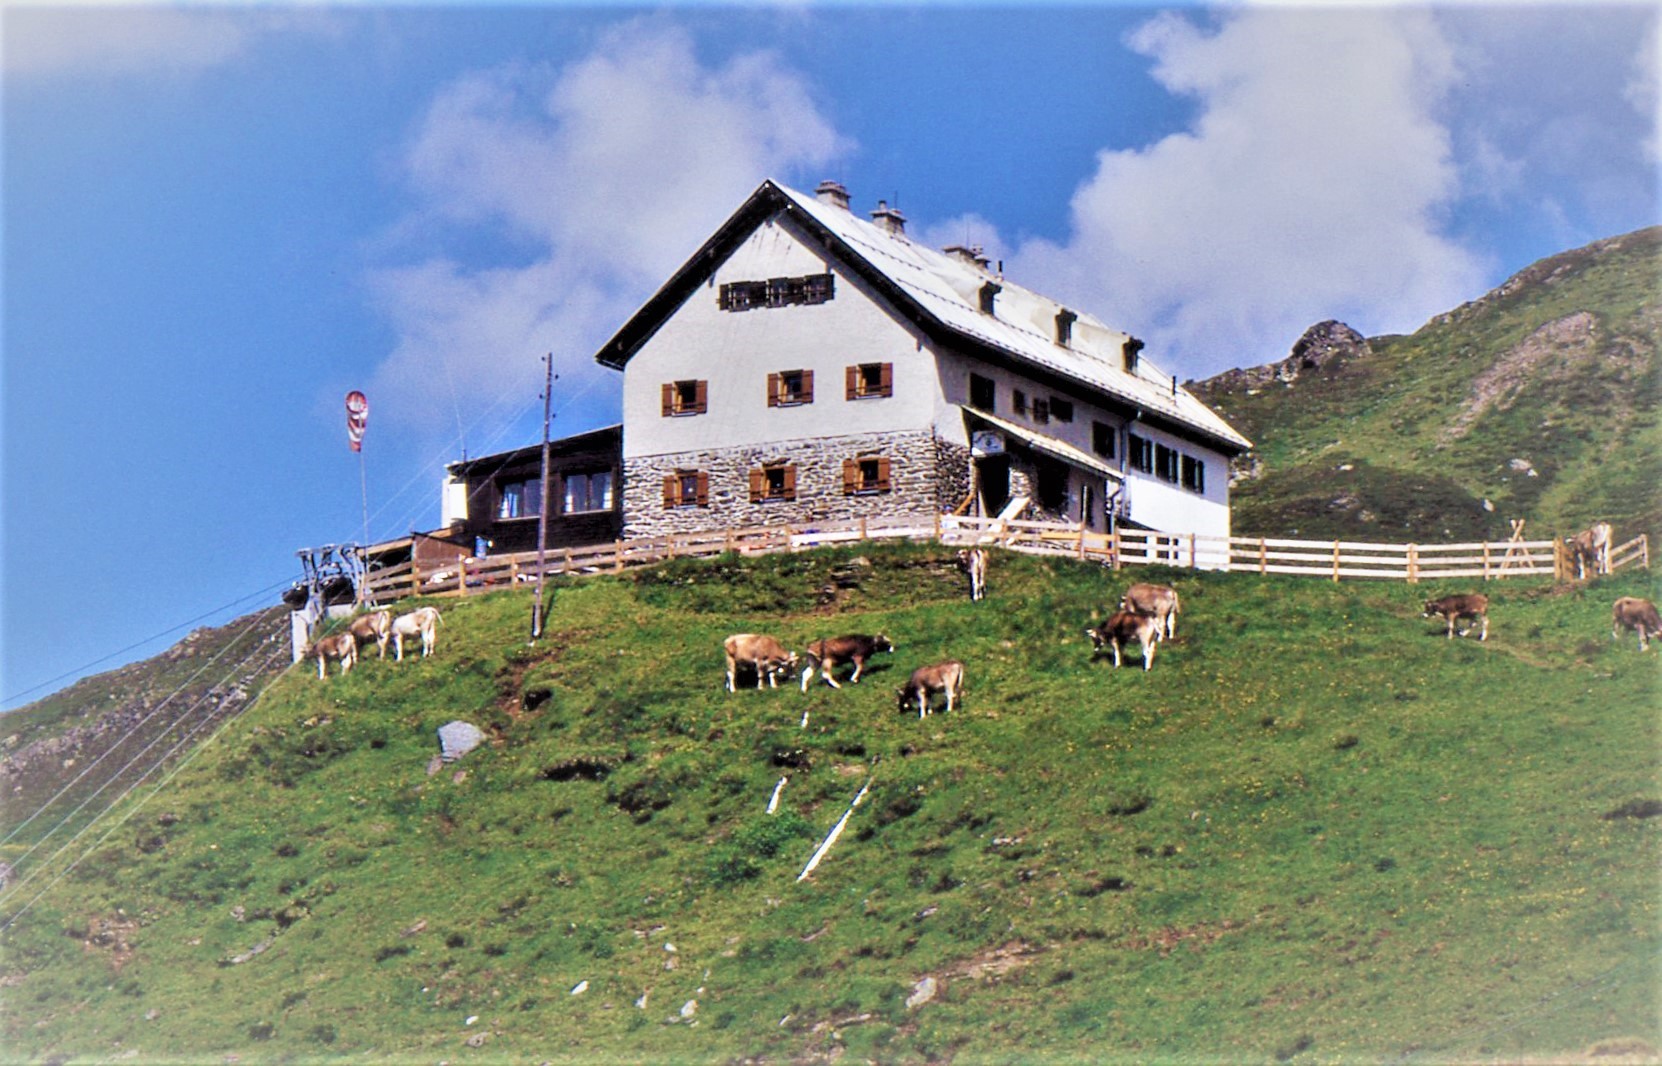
(1335, 560)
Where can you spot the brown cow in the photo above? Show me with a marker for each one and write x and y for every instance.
(343, 646)
(974, 562)
(376, 626)
(943, 677)
(1121, 628)
(1591, 545)
(765, 655)
(1631, 612)
(1159, 601)
(825, 655)
(1470, 605)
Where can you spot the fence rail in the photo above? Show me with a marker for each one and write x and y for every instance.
(1336, 560)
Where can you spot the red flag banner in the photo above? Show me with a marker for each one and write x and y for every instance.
(357, 417)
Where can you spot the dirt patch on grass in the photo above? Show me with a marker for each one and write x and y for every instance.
(1196, 936)
(994, 962)
(111, 937)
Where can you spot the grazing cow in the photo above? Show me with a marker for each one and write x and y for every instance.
(343, 646)
(422, 622)
(1630, 612)
(1121, 628)
(1158, 601)
(1591, 545)
(1466, 605)
(974, 562)
(764, 654)
(945, 677)
(376, 626)
(826, 655)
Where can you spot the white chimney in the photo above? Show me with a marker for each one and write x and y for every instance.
(833, 193)
(889, 219)
(971, 254)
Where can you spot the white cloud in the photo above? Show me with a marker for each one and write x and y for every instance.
(605, 175)
(1644, 87)
(1310, 185)
(118, 41)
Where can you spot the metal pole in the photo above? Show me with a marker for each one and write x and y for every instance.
(363, 492)
(542, 515)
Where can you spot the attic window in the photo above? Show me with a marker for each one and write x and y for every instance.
(988, 292)
(1064, 326)
(777, 292)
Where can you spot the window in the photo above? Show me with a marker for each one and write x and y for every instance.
(866, 474)
(982, 393)
(686, 398)
(989, 292)
(1165, 463)
(1139, 453)
(1061, 410)
(1041, 411)
(1064, 326)
(777, 292)
(687, 488)
(1052, 486)
(588, 492)
(520, 499)
(1102, 439)
(1018, 402)
(1194, 474)
(787, 388)
(869, 380)
(774, 481)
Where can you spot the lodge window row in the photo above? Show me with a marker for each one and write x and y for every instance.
(776, 482)
(785, 388)
(777, 292)
(1166, 463)
(580, 494)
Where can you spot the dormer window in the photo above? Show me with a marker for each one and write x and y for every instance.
(1064, 326)
(777, 292)
(988, 292)
(1129, 351)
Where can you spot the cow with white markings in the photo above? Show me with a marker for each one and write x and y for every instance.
(1631, 612)
(1469, 607)
(1160, 602)
(1123, 627)
(376, 626)
(341, 647)
(758, 652)
(422, 622)
(826, 655)
(974, 562)
(927, 682)
(1591, 549)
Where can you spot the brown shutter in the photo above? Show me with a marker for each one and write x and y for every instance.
(758, 484)
(851, 476)
(773, 390)
(701, 399)
(672, 491)
(703, 489)
(790, 482)
(851, 382)
(882, 475)
(669, 398)
(807, 386)
(885, 385)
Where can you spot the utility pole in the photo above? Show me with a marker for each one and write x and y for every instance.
(542, 515)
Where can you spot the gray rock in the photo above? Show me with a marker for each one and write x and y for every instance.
(459, 738)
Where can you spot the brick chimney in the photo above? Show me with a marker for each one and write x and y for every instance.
(889, 219)
(833, 193)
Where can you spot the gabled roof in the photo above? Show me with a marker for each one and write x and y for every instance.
(940, 293)
(606, 437)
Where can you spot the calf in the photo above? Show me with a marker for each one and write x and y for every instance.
(926, 681)
(1591, 545)
(1158, 601)
(1630, 612)
(343, 646)
(1121, 628)
(422, 622)
(377, 627)
(826, 655)
(974, 562)
(765, 655)
(1466, 605)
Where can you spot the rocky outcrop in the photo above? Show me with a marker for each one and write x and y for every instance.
(1325, 347)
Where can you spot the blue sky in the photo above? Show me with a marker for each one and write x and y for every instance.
(218, 220)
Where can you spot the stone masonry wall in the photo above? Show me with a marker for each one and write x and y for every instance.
(926, 475)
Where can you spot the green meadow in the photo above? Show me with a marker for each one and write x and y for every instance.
(1316, 831)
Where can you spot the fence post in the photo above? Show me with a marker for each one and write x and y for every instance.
(1413, 564)
(1485, 560)
(1335, 562)
(1192, 551)
(1644, 549)
(461, 578)
(1263, 558)
(1114, 547)
(1560, 564)
(415, 577)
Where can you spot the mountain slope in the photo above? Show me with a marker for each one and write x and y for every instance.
(1540, 401)
(1244, 854)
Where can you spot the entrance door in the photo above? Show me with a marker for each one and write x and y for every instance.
(992, 473)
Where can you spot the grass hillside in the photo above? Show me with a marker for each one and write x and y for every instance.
(1543, 398)
(1316, 831)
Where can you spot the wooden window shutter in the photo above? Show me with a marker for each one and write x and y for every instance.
(669, 398)
(672, 490)
(885, 384)
(703, 489)
(758, 484)
(773, 390)
(701, 401)
(807, 386)
(851, 382)
(790, 482)
(851, 476)
(882, 475)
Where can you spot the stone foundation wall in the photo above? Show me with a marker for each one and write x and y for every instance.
(926, 475)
